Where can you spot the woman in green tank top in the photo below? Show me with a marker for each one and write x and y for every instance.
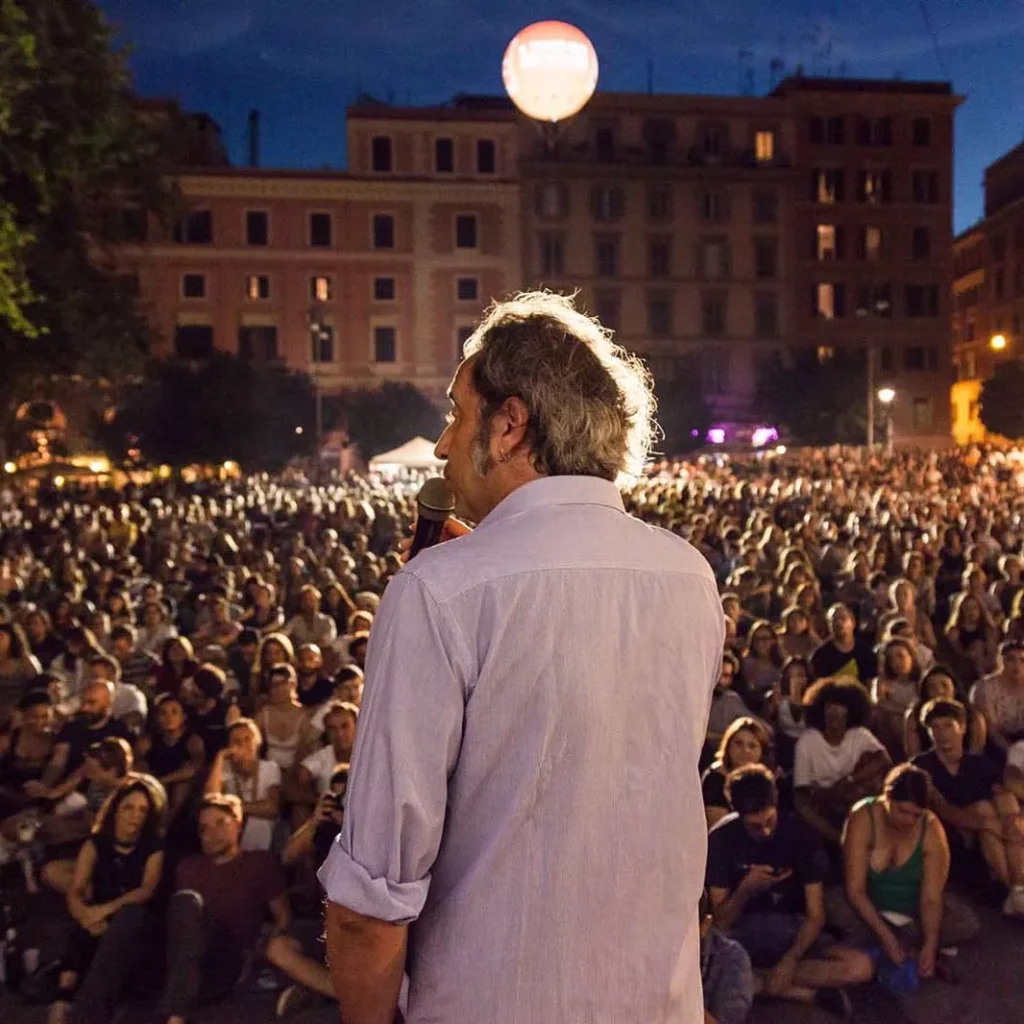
(896, 863)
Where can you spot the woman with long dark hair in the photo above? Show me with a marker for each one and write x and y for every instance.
(745, 741)
(116, 874)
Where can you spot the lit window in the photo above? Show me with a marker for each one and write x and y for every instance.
(320, 288)
(826, 242)
(257, 286)
(872, 243)
(764, 147)
(826, 301)
(825, 353)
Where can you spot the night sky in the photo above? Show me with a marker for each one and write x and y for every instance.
(300, 62)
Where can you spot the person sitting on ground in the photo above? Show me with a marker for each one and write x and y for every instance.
(177, 664)
(25, 751)
(310, 625)
(116, 875)
(726, 704)
(171, 752)
(1000, 698)
(838, 761)
(18, 667)
(746, 741)
(222, 897)
(284, 722)
(129, 702)
(209, 714)
(139, 668)
(968, 797)
(315, 689)
(788, 713)
(727, 979)
(315, 772)
(939, 682)
(846, 654)
(348, 689)
(237, 770)
(900, 629)
(896, 865)
(765, 875)
(895, 689)
(797, 639)
(972, 636)
(762, 660)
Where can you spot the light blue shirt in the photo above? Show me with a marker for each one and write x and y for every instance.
(524, 788)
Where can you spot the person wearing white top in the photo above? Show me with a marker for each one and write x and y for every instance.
(340, 727)
(838, 761)
(129, 705)
(238, 771)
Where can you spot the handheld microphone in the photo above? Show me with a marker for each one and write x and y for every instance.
(434, 503)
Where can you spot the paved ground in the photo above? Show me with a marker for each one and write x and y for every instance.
(991, 990)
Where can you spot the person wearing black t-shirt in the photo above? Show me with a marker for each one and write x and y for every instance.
(116, 874)
(314, 687)
(847, 654)
(208, 712)
(765, 874)
(964, 798)
(171, 752)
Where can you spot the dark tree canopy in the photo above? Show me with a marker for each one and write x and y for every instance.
(219, 410)
(818, 402)
(682, 409)
(1002, 400)
(380, 419)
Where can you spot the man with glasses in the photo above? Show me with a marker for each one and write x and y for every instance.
(766, 875)
(1000, 698)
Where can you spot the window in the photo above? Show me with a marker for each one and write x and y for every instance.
(713, 258)
(764, 147)
(604, 144)
(712, 315)
(972, 366)
(714, 367)
(826, 243)
(380, 153)
(766, 258)
(320, 230)
(193, 286)
(828, 300)
(921, 357)
(659, 138)
(258, 343)
(467, 289)
(885, 360)
(874, 132)
(924, 186)
(444, 156)
(869, 242)
(321, 288)
(607, 203)
(766, 206)
(607, 306)
(834, 131)
(816, 130)
(462, 334)
(659, 257)
(766, 316)
(551, 248)
(921, 300)
(552, 200)
(659, 204)
(922, 413)
(321, 337)
(486, 156)
(999, 285)
(193, 341)
(824, 353)
(921, 243)
(257, 286)
(827, 185)
(659, 314)
(606, 256)
(711, 140)
(383, 231)
(384, 344)
(465, 231)
(383, 289)
(712, 206)
(921, 131)
(875, 299)
(257, 227)
(874, 187)
(195, 229)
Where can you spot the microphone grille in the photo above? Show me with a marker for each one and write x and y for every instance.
(435, 496)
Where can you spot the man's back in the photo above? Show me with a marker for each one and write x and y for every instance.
(586, 646)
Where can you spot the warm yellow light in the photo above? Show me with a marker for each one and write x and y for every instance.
(781, 449)
(550, 70)
(229, 466)
(10, 467)
(886, 395)
(998, 342)
(58, 481)
(99, 466)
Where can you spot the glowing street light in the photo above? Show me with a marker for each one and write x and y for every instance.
(998, 342)
(550, 70)
(886, 395)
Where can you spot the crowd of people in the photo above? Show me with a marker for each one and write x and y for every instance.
(181, 673)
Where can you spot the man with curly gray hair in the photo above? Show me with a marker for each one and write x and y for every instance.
(523, 844)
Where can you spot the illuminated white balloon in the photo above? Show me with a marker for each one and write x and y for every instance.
(550, 70)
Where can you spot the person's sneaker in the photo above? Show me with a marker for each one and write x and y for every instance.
(1013, 906)
(295, 999)
(834, 1001)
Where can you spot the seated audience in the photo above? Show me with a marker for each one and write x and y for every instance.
(727, 979)
(1000, 698)
(129, 702)
(315, 688)
(726, 703)
(895, 689)
(788, 713)
(940, 683)
(847, 654)
(745, 741)
(762, 660)
(283, 720)
(171, 752)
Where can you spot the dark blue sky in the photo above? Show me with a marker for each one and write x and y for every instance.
(301, 61)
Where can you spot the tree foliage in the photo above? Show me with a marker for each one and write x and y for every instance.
(223, 409)
(380, 419)
(684, 415)
(819, 402)
(73, 150)
(1002, 400)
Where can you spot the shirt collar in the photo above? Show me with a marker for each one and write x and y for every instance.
(556, 490)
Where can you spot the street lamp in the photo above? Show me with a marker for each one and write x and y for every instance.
(879, 308)
(886, 396)
(997, 343)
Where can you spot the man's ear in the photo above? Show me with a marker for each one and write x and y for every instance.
(513, 420)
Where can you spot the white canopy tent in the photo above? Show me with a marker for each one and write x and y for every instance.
(415, 454)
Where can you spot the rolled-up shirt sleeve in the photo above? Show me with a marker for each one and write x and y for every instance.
(407, 744)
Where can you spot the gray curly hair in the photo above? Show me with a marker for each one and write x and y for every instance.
(591, 403)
